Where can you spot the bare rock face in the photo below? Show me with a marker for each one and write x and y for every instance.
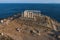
(40, 28)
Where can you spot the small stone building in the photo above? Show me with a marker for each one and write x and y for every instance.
(31, 13)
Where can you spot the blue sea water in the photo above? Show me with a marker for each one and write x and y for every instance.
(9, 9)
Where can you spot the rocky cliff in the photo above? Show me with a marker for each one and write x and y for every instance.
(20, 28)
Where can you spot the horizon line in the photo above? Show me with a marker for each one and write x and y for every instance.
(31, 3)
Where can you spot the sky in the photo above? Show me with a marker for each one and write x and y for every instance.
(29, 1)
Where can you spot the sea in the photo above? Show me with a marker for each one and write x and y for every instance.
(9, 9)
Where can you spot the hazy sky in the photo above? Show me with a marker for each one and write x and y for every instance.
(29, 1)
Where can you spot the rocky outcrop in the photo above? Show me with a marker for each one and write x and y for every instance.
(38, 28)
